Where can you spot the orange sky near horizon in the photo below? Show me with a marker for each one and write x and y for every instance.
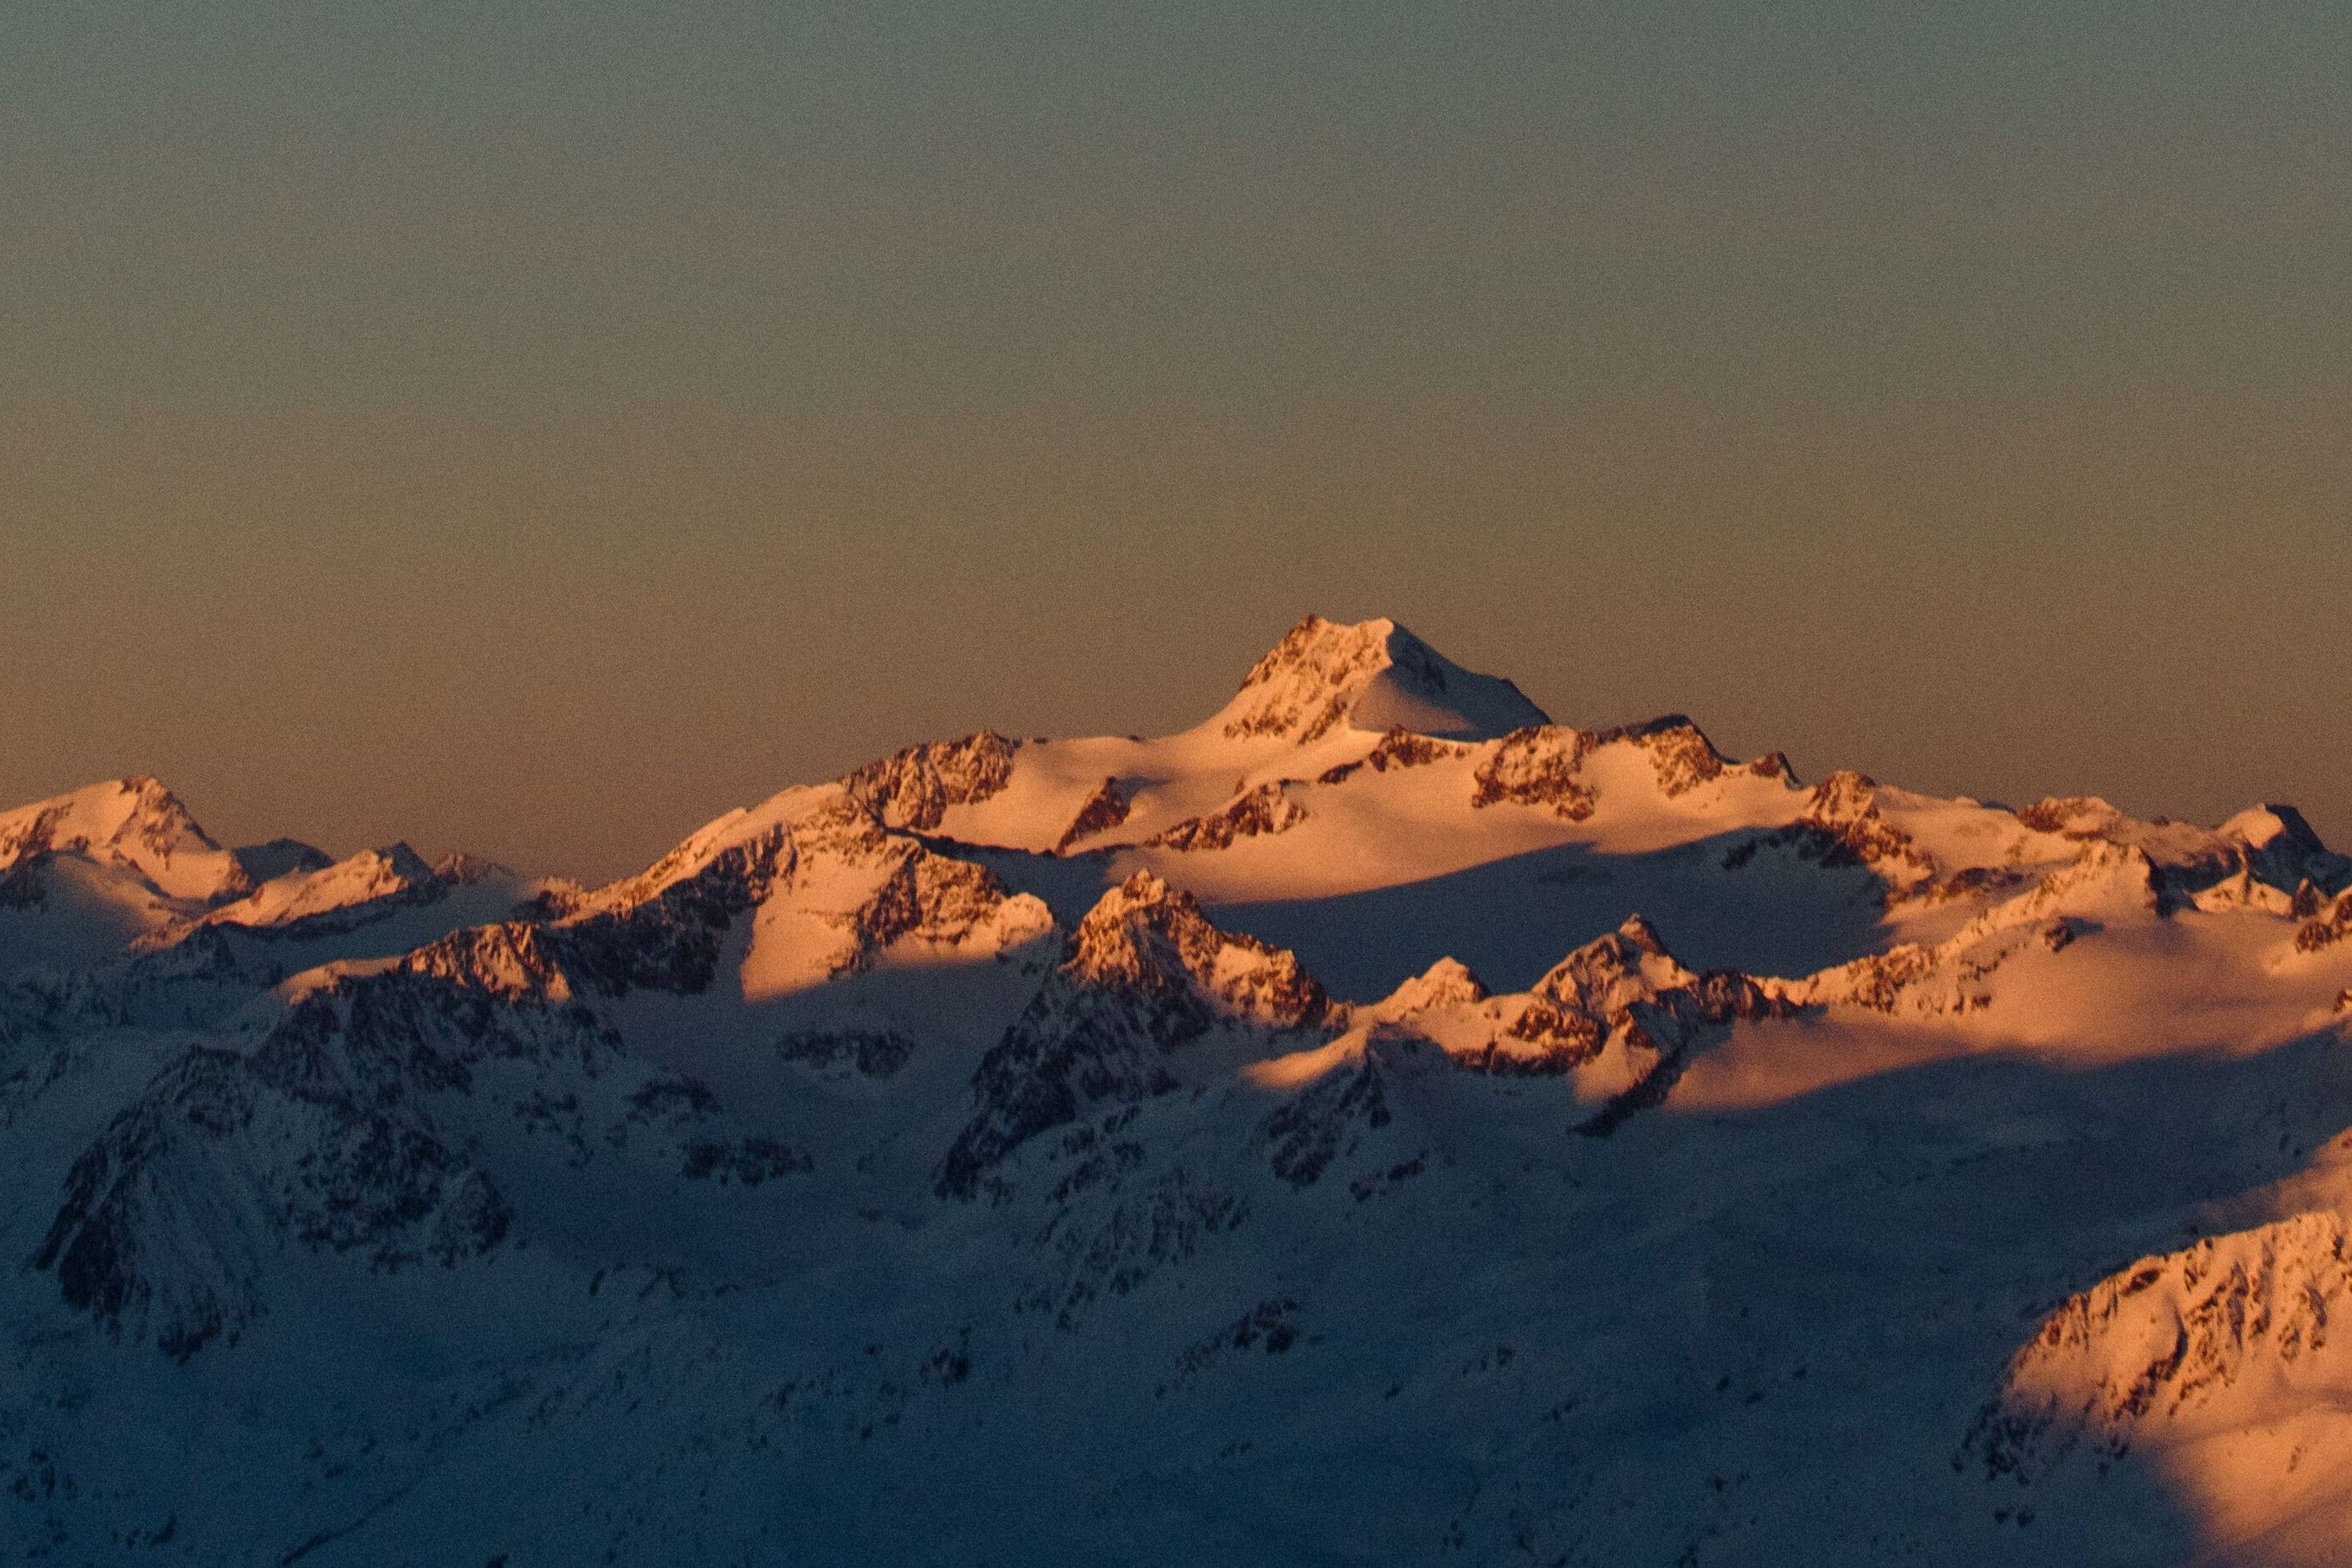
(537, 433)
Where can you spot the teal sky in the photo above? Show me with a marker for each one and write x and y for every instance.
(538, 431)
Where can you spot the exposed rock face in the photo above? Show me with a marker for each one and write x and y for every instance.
(136, 824)
(279, 857)
(2142, 1351)
(2327, 927)
(514, 962)
(1683, 758)
(319, 1138)
(1538, 767)
(1269, 809)
(25, 884)
(1843, 815)
(1104, 810)
(1954, 977)
(1302, 685)
(1144, 975)
(160, 1241)
(878, 889)
(1621, 993)
(871, 1052)
(2269, 844)
(913, 788)
(1841, 825)
(2282, 849)
(664, 931)
(2073, 816)
(1544, 766)
(927, 898)
(1373, 675)
(1397, 748)
(1681, 755)
(1331, 1117)
(335, 1133)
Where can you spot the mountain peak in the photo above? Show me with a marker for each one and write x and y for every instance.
(1373, 675)
(2270, 825)
(134, 823)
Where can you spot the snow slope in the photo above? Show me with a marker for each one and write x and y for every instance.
(1380, 1125)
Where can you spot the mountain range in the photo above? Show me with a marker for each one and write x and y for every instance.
(1379, 1124)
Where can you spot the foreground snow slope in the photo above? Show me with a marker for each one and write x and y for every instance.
(1377, 1125)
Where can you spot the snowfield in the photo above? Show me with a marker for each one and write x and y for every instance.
(1377, 1125)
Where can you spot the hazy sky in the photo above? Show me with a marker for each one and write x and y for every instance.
(537, 428)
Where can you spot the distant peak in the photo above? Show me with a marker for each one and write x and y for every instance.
(402, 861)
(1327, 646)
(1636, 928)
(1372, 675)
(1449, 982)
(132, 821)
(460, 867)
(1143, 887)
(280, 857)
(2269, 825)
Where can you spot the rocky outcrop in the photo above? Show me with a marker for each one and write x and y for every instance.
(1104, 810)
(160, 1241)
(1842, 825)
(1545, 766)
(331, 1135)
(1842, 821)
(2145, 1349)
(928, 898)
(1619, 1015)
(2106, 882)
(1539, 766)
(1624, 997)
(1373, 675)
(1269, 809)
(1306, 683)
(666, 933)
(2327, 926)
(2269, 844)
(872, 1052)
(2072, 815)
(315, 1139)
(2281, 851)
(1144, 976)
(136, 824)
(913, 788)
(1328, 1119)
(1397, 748)
(1679, 752)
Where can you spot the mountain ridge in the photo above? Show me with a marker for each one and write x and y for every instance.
(1558, 1140)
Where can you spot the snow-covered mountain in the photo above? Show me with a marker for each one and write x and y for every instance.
(1379, 1124)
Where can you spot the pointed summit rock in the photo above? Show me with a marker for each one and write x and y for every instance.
(2283, 850)
(1374, 676)
(1143, 977)
(132, 823)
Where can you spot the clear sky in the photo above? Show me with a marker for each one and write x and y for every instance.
(537, 427)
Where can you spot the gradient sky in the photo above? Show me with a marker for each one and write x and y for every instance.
(536, 428)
